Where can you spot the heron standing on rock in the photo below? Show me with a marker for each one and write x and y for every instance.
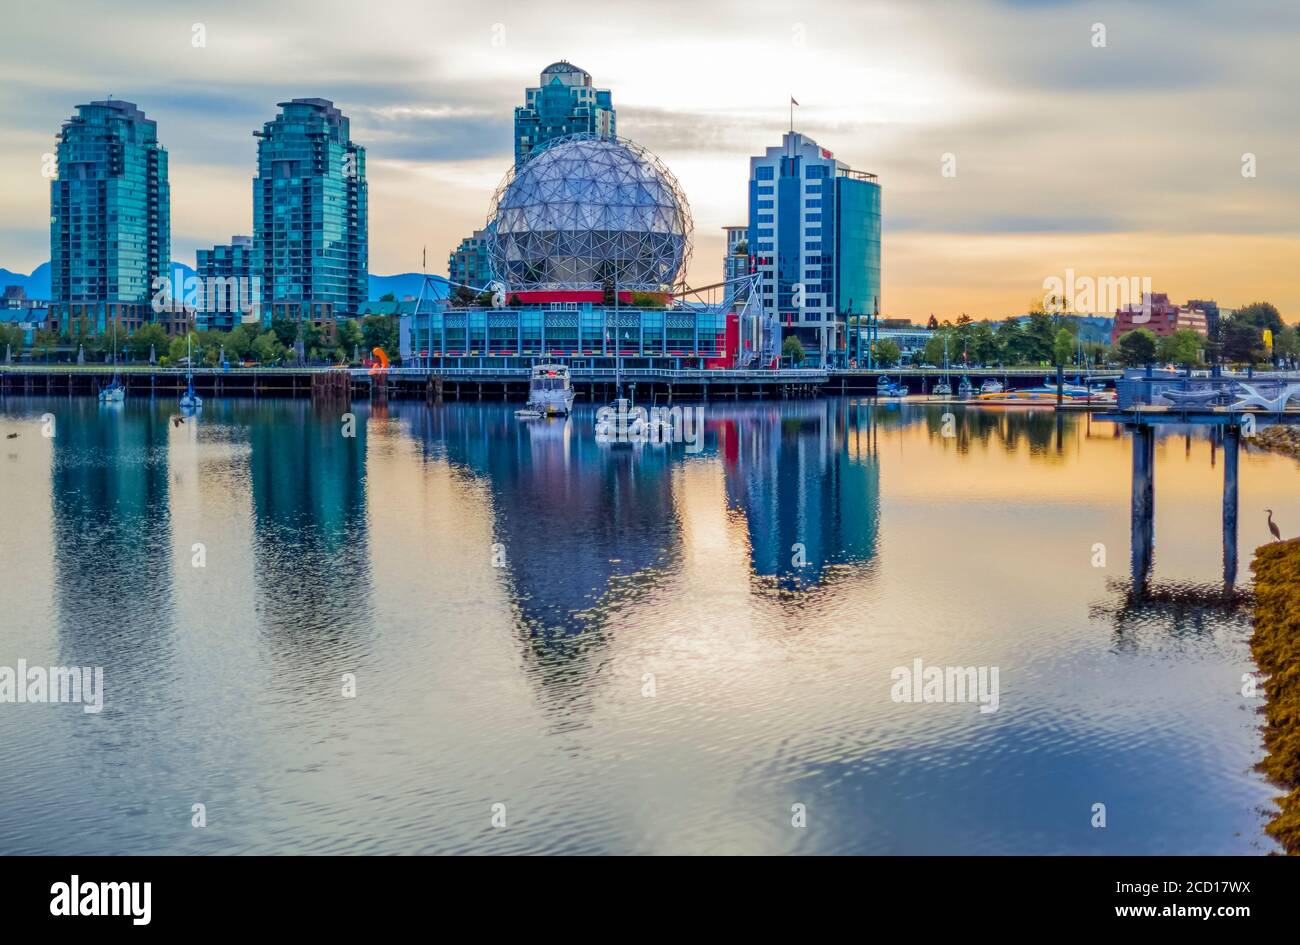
(1272, 526)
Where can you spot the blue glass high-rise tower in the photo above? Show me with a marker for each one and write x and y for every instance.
(110, 217)
(563, 103)
(814, 235)
(310, 238)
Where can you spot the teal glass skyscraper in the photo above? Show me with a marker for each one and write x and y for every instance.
(563, 103)
(310, 240)
(110, 217)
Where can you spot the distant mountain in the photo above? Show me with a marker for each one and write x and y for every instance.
(37, 284)
(404, 284)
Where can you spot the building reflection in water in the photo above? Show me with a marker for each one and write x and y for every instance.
(112, 542)
(310, 543)
(588, 527)
(584, 529)
(806, 479)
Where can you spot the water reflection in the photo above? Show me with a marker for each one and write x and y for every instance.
(806, 480)
(112, 543)
(307, 471)
(503, 589)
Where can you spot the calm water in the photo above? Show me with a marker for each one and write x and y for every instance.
(525, 684)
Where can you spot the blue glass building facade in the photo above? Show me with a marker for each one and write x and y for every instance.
(226, 285)
(110, 217)
(564, 102)
(310, 216)
(680, 336)
(470, 263)
(814, 236)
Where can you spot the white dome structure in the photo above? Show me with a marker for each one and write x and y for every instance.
(586, 211)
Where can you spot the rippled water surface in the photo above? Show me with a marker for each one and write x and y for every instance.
(631, 649)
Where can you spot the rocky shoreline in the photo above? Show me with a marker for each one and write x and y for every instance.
(1279, 439)
(1275, 645)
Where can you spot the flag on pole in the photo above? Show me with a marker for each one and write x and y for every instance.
(792, 100)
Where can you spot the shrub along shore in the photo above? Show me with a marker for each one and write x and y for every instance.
(1276, 647)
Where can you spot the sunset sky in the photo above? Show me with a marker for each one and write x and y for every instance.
(1125, 160)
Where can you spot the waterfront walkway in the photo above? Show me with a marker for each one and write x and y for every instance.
(497, 383)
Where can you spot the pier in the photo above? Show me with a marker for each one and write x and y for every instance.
(1234, 407)
(438, 384)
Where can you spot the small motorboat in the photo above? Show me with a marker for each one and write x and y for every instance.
(965, 389)
(886, 387)
(528, 413)
(942, 389)
(991, 385)
(550, 390)
(615, 424)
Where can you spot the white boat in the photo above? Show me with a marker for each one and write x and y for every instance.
(944, 387)
(550, 390)
(115, 392)
(991, 386)
(528, 413)
(190, 400)
(886, 387)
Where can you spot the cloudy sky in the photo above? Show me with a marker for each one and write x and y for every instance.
(1117, 160)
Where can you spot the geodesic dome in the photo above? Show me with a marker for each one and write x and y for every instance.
(585, 210)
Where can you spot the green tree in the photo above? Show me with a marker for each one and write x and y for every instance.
(11, 339)
(1243, 341)
(267, 348)
(1012, 342)
(388, 297)
(147, 337)
(381, 331)
(1136, 348)
(792, 350)
(239, 341)
(1262, 315)
(312, 336)
(1062, 347)
(887, 353)
(349, 336)
(176, 348)
(1040, 338)
(1183, 347)
(1286, 343)
(933, 353)
(44, 342)
(207, 347)
(286, 330)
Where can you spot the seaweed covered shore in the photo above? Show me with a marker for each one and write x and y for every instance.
(1276, 647)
